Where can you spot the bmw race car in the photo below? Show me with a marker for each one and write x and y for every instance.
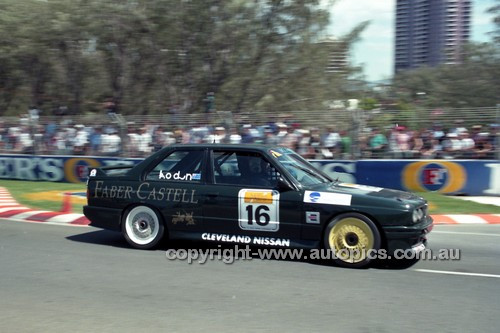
(251, 194)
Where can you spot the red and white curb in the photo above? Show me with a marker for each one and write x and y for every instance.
(12, 210)
(467, 219)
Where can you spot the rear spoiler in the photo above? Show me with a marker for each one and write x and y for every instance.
(121, 166)
(108, 170)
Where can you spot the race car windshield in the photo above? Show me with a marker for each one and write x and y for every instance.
(303, 171)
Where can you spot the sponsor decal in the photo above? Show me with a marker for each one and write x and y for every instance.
(362, 187)
(275, 153)
(439, 176)
(186, 217)
(314, 196)
(271, 241)
(144, 192)
(327, 198)
(93, 172)
(258, 209)
(312, 217)
(178, 176)
(258, 197)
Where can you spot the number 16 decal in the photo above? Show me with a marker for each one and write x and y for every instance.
(258, 210)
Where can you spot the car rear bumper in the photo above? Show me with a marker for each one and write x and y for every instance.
(102, 217)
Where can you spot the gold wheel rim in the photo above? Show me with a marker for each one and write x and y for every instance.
(351, 238)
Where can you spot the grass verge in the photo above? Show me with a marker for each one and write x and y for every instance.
(445, 204)
(20, 189)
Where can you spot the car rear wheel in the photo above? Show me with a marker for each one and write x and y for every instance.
(353, 238)
(142, 227)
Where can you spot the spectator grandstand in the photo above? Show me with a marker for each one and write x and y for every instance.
(330, 134)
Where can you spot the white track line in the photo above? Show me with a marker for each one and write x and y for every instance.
(465, 233)
(458, 273)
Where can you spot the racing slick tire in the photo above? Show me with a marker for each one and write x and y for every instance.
(353, 238)
(142, 227)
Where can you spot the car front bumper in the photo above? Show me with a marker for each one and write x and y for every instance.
(408, 237)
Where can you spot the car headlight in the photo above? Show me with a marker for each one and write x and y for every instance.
(417, 215)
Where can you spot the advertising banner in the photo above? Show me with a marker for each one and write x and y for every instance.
(469, 177)
(70, 169)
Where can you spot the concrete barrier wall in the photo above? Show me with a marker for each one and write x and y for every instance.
(471, 177)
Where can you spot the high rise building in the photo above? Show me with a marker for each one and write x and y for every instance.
(338, 55)
(430, 32)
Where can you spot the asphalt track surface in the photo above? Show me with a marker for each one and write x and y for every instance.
(80, 279)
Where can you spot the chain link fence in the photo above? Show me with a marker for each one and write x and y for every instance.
(414, 119)
(358, 124)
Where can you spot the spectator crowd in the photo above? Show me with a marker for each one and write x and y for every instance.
(140, 140)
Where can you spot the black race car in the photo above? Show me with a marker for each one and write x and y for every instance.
(252, 194)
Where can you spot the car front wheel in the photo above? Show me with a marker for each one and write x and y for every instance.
(142, 227)
(353, 238)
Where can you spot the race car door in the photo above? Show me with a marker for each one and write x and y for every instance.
(244, 199)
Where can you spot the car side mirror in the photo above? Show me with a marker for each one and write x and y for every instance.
(283, 185)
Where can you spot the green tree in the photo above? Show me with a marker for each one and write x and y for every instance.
(474, 83)
(149, 54)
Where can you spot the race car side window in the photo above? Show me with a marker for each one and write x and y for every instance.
(179, 166)
(243, 168)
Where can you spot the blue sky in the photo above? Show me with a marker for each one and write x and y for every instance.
(375, 50)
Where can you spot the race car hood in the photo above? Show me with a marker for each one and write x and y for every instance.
(358, 190)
